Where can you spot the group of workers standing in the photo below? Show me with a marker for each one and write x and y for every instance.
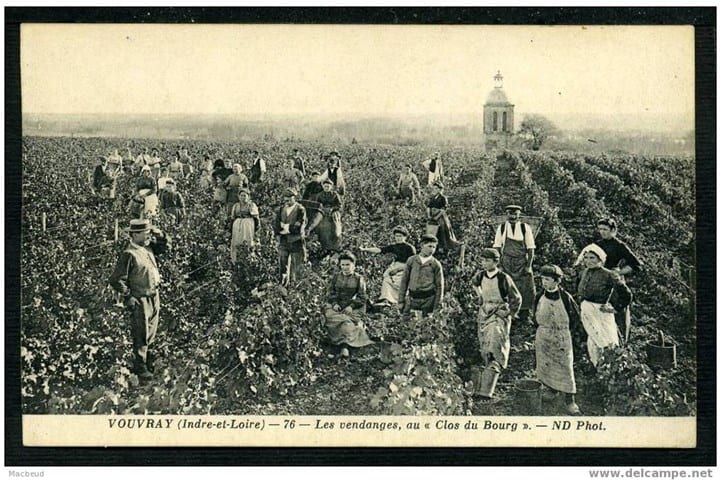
(414, 282)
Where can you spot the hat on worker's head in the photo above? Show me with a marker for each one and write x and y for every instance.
(401, 230)
(551, 271)
(138, 225)
(290, 192)
(427, 238)
(513, 208)
(490, 253)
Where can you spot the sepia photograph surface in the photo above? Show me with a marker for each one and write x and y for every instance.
(358, 235)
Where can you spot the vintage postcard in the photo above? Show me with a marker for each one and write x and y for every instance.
(358, 235)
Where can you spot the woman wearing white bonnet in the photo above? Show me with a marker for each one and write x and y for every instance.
(601, 292)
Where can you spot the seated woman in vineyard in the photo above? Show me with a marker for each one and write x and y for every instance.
(438, 221)
(393, 275)
(327, 222)
(620, 259)
(172, 202)
(555, 314)
(408, 184)
(334, 173)
(233, 184)
(601, 293)
(499, 302)
(345, 306)
(245, 222)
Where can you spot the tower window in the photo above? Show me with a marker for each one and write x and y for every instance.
(495, 122)
(504, 125)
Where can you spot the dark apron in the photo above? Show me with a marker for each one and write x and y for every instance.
(514, 263)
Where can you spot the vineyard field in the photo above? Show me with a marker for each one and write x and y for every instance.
(224, 349)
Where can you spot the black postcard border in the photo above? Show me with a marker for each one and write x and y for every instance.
(704, 20)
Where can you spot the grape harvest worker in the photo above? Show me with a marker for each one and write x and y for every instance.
(393, 275)
(233, 184)
(327, 222)
(436, 214)
(298, 161)
(145, 181)
(246, 220)
(499, 301)
(516, 242)
(176, 169)
(104, 179)
(219, 174)
(601, 293)
(434, 167)
(313, 187)
(289, 227)
(136, 276)
(258, 168)
(334, 173)
(155, 163)
(555, 314)
(290, 176)
(408, 184)
(423, 281)
(345, 306)
(620, 259)
(171, 201)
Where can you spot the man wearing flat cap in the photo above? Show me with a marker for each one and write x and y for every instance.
(516, 243)
(136, 276)
(289, 227)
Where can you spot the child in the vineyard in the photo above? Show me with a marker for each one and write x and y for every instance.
(245, 222)
(499, 301)
(346, 299)
(423, 280)
(555, 313)
(602, 293)
(393, 275)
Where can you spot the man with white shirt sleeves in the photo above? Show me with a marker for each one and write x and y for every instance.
(516, 244)
(137, 277)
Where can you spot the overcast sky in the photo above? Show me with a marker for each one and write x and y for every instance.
(367, 70)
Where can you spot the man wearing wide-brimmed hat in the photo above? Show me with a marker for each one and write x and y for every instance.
(516, 242)
(136, 276)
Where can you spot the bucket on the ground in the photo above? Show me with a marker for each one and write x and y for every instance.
(488, 381)
(662, 353)
(529, 396)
